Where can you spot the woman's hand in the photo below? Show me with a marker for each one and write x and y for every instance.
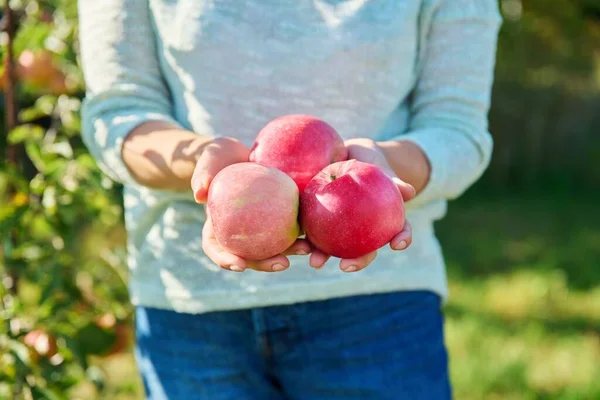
(218, 154)
(367, 150)
(231, 262)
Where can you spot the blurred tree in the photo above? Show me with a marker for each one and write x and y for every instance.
(546, 97)
(69, 303)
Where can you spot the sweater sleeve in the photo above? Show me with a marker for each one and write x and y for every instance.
(124, 84)
(451, 99)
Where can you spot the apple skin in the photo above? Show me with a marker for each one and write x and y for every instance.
(38, 70)
(350, 209)
(299, 145)
(254, 210)
(40, 343)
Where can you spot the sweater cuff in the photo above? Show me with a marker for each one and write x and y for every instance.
(446, 160)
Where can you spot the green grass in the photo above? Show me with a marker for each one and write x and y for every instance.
(523, 318)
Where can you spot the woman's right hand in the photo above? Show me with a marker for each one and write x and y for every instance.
(218, 154)
(231, 262)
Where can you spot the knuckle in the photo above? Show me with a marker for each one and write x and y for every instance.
(224, 141)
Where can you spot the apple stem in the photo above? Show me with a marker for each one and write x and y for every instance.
(333, 177)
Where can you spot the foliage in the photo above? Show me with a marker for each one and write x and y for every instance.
(63, 300)
(546, 96)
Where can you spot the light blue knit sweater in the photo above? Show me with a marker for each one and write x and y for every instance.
(418, 70)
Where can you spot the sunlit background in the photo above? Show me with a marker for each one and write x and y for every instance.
(522, 246)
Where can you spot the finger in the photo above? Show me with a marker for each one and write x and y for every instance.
(217, 254)
(220, 153)
(402, 240)
(356, 264)
(274, 264)
(406, 189)
(318, 259)
(301, 247)
(207, 167)
(223, 258)
(373, 155)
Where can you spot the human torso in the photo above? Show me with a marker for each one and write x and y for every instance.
(233, 65)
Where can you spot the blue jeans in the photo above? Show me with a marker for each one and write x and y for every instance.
(384, 346)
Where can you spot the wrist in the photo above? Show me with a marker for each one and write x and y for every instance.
(186, 157)
(408, 161)
(196, 146)
(162, 156)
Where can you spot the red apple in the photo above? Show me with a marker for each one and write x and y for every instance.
(299, 145)
(254, 210)
(37, 67)
(40, 343)
(38, 70)
(350, 209)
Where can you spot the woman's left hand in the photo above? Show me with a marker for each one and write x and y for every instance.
(366, 150)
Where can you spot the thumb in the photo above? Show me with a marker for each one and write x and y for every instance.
(200, 184)
(406, 189)
(209, 164)
(217, 155)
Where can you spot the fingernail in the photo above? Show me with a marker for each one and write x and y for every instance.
(401, 245)
(200, 199)
(278, 267)
(301, 253)
(351, 268)
(236, 268)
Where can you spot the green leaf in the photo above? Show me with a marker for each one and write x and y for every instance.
(5, 388)
(32, 114)
(25, 133)
(46, 104)
(10, 217)
(20, 351)
(46, 394)
(76, 349)
(73, 123)
(41, 228)
(94, 340)
(10, 178)
(35, 155)
(69, 381)
(32, 35)
(86, 161)
(54, 285)
(56, 168)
